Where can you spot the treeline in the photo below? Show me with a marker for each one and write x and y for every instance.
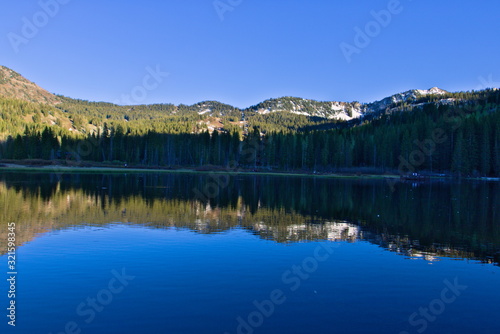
(77, 117)
(463, 138)
(15, 114)
(120, 146)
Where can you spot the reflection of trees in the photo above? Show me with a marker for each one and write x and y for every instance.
(459, 220)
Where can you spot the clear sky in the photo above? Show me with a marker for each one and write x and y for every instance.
(242, 52)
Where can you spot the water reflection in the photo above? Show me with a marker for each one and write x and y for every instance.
(429, 221)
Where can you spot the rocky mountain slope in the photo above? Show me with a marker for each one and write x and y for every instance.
(13, 85)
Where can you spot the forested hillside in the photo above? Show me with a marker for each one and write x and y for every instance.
(431, 130)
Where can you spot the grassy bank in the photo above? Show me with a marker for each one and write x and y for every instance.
(41, 166)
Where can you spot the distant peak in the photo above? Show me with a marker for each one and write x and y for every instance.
(431, 91)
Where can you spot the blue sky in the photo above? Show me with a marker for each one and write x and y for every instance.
(250, 50)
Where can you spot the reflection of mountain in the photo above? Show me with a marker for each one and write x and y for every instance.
(345, 231)
(333, 231)
(428, 221)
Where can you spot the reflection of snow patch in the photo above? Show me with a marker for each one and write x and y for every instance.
(342, 231)
(333, 231)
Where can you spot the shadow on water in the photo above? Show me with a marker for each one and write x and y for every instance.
(427, 220)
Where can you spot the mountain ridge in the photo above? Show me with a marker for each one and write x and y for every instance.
(431, 130)
(25, 104)
(14, 85)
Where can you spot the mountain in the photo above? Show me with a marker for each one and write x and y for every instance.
(410, 97)
(418, 130)
(276, 114)
(13, 85)
(343, 111)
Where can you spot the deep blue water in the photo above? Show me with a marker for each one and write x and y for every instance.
(240, 269)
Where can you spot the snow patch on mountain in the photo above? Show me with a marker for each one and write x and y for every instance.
(432, 91)
(409, 96)
(204, 111)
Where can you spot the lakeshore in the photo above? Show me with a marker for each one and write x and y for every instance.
(217, 170)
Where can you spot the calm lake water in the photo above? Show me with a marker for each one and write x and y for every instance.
(190, 253)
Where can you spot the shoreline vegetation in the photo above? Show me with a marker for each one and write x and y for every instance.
(450, 135)
(62, 166)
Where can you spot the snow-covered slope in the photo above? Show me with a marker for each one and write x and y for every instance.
(409, 97)
(340, 110)
(300, 106)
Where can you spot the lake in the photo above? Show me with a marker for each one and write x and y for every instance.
(199, 253)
